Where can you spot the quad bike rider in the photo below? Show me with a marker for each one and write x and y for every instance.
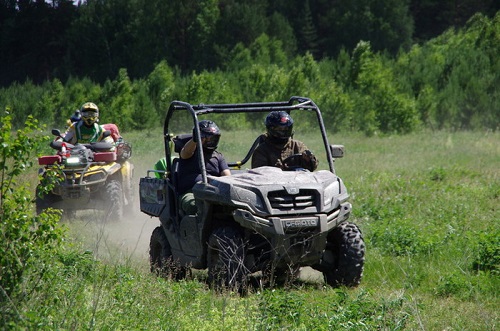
(89, 171)
(263, 219)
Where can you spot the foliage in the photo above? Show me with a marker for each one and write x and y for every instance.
(44, 40)
(117, 102)
(454, 76)
(379, 103)
(488, 257)
(448, 83)
(427, 204)
(160, 84)
(26, 241)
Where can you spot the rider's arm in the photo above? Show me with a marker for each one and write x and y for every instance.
(223, 166)
(188, 150)
(70, 135)
(308, 159)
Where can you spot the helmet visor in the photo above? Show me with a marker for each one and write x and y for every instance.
(280, 131)
(210, 141)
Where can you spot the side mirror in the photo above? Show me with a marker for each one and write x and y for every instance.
(56, 132)
(337, 151)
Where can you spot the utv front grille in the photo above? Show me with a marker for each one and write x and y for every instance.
(282, 200)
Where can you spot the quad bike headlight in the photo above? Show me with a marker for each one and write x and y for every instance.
(73, 161)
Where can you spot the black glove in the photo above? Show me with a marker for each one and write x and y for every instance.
(309, 160)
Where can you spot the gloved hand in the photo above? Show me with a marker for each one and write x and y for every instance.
(309, 160)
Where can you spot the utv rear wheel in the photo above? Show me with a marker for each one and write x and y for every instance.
(160, 257)
(344, 256)
(114, 197)
(226, 255)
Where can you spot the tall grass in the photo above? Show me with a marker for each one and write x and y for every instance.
(427, 203)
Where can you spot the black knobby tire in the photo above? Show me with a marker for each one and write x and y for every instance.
(44, 201)
(114, 200)
(344, 256)
(159, 251)
(161, 259)
(226, 255)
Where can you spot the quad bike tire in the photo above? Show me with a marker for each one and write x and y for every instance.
(161, 259)
(226, 255)
(44, 201)
(344, 256)
(114, 196)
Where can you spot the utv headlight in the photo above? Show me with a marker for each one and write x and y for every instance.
(330, 193)
(247, 197)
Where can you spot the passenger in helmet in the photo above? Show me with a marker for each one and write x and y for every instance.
(87, 130)
(278, 144)
(75, 117)
(189, 170)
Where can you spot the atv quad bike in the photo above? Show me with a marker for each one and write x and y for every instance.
(86, 176)
(256, 220)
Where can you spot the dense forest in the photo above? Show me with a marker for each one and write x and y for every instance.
(42, 40)
(384, 66)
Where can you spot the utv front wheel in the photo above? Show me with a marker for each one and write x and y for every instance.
(226, 255)
(344, 256)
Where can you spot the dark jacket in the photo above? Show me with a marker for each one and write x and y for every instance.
(272, 153)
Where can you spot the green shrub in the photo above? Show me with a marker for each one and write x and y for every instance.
(26, 240)
(488, 252)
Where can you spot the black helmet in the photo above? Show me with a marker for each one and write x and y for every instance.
(210, 131)
(279, 125)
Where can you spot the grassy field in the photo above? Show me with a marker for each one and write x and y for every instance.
(428, 206)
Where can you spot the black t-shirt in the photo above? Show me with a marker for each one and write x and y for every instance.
(190, 173)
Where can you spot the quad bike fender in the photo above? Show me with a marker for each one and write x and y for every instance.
(127, 171)
(49, 160)
(112, 168)
(104, 156)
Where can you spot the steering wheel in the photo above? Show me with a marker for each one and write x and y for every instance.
(290, 163)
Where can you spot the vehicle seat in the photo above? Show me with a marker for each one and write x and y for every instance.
(181, 140)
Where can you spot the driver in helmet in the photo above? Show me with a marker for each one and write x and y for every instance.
(278, 144)
(189, 170)
(87, 130)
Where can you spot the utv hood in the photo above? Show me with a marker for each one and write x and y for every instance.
(270, 191)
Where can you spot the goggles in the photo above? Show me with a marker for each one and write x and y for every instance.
(91, 115)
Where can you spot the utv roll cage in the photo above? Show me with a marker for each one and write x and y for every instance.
(295, 103)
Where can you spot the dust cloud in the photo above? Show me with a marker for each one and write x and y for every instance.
(124, 241)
